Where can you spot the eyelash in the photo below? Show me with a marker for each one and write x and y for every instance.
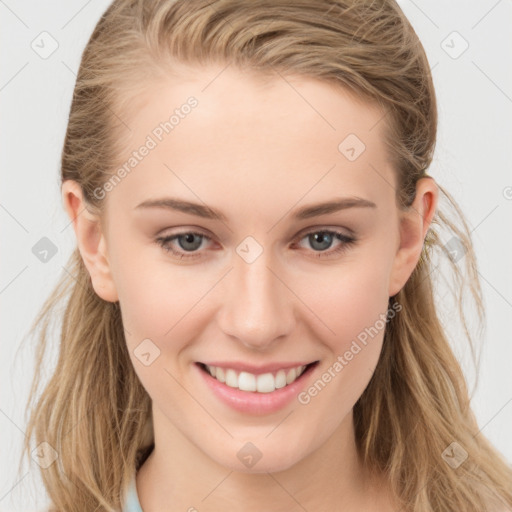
(347, 242)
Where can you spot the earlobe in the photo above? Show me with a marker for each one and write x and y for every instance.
(414, 225)
(90, 240)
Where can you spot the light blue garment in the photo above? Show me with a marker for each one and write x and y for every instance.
(131, 500)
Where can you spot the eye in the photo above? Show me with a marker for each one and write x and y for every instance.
(190, 242)
(322, 240)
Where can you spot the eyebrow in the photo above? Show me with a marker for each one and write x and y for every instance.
(305, 212)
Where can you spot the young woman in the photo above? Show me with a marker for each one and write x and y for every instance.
(249, 319)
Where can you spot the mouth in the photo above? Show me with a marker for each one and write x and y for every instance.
(258, 382)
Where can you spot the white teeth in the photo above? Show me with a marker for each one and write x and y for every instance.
(231, 378)
(280, 379)
(263, 383)
(246, 381)
(218, 373)
(291, 375)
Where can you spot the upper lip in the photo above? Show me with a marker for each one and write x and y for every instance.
(257, 369)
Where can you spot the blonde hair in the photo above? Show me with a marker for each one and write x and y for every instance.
(94, 411)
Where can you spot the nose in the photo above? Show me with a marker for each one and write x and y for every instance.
(257, 307)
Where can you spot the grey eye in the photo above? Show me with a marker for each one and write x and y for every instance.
(320, 240)
(189, 243)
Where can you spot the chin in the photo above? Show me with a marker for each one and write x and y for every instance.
(266, 461)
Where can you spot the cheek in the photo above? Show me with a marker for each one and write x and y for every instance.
(348, 299)
(161, 307)
(156, 296)
(358, 308)
(352, 301)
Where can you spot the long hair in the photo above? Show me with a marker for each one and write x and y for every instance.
(414, 416)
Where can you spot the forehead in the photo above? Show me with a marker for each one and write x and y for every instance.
(218, 132)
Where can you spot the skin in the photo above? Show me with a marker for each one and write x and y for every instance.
(256, 150)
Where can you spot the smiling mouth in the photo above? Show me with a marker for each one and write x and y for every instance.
(261, 383)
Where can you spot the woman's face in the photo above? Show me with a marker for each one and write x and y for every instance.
(218, 257)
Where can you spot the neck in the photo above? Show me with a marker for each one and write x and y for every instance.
(178, 475)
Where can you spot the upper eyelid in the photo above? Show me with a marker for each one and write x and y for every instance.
(316, 229)
(302, 232)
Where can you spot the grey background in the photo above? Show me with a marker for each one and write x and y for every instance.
(473, 161)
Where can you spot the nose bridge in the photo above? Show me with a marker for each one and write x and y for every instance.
(256, 308)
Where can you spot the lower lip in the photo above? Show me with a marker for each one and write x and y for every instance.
(251, 402)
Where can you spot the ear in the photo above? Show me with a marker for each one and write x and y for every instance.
(90, 240)
(414, 224)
